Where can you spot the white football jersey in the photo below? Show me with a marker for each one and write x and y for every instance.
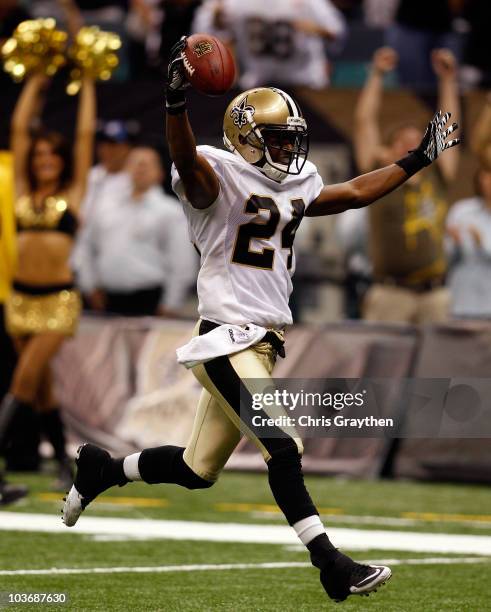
(270, 46)
(245, 239)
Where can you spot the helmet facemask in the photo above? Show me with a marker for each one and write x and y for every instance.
(285, 148)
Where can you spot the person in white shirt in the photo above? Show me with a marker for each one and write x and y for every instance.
(135, 257)
(108, 178)
(352, 232)
(243, 207)
(279, 41)
(469, 232)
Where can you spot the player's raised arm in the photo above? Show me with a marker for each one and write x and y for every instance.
(198, 177)
(367, 188)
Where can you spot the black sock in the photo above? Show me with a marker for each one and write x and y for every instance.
(165, 464)
(322, 551)
(113, 473)
(291, 495)
(286, 482)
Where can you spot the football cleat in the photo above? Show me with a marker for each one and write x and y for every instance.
(345, 577)
(91, 479)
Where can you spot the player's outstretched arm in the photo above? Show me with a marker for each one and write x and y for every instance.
(367, 188)
(198, 177)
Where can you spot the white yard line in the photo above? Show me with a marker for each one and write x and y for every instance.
(350, 539)
(159, 569)
(384, 521)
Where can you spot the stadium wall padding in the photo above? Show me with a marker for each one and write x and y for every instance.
(120, 385)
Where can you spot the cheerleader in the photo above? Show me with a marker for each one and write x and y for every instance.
(44, 307)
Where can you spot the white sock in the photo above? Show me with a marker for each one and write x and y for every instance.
(308, 528)
(130, 467)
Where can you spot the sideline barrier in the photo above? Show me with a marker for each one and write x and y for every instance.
(121, 386)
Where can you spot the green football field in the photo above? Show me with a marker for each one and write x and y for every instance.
(143, 548)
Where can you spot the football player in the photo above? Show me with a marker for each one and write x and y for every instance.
(281, 41)
(243, 207)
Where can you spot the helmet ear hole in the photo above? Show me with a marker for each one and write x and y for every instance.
(242, 139)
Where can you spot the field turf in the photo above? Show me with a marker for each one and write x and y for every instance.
(449, 583)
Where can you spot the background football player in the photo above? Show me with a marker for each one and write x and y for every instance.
(281, 41)
(243, 208)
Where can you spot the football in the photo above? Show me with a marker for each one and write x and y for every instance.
(209, 65)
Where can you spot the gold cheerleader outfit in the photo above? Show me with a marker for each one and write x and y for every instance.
(35, 309)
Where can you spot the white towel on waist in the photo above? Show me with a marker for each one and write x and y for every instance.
(223, 340)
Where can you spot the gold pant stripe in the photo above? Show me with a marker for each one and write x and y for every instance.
(217, 427)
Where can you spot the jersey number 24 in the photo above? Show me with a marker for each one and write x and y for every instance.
(264, 259)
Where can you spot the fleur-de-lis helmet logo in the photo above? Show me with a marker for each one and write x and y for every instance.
(238, 113)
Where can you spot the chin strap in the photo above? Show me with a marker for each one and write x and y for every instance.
(272, 173)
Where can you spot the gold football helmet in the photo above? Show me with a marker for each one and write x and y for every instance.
(265, 126)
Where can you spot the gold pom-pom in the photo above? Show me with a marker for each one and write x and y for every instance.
(35, 46)
(94, 54)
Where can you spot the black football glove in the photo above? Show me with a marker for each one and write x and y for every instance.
(176, 82)
(433, 144)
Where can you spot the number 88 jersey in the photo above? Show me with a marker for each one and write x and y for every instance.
(271, 45)
(245, 240)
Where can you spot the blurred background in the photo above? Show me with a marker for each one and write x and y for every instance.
(399, 289)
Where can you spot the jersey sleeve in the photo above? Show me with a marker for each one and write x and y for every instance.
(313, 188)
(214, 158)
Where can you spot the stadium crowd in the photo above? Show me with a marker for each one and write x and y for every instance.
(413, 28)
(415, 257)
